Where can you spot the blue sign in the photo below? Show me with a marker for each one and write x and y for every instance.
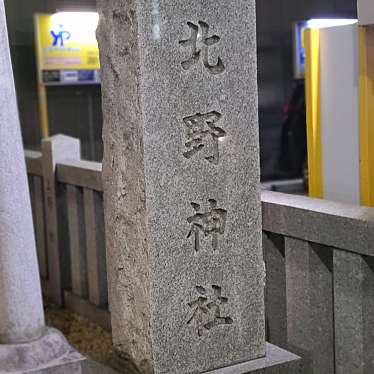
(299, 51)
(59, 36)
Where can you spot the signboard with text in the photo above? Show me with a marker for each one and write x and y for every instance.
(67, 50)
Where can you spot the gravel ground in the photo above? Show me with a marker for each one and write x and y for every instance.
(89, 339)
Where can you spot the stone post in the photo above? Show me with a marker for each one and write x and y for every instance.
(55, 149)
(25, 343)
(181, 184)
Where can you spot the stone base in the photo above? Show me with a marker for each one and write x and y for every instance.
(50, 354)
(276, 361)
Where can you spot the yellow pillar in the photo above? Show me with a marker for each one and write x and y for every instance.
(366, 97)
(43, 110)
(42, 91)
(312, 86)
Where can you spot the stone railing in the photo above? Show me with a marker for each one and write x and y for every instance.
(319, 259)
(320, 281)
(73, 271)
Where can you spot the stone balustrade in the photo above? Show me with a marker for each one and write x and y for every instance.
(319, 261)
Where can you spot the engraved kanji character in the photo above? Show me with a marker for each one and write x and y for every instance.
(207, 310)
(201, 38)
(199, 127)
(211, 223)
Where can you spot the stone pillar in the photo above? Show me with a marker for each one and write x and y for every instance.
(25, 343)
(181, 183)
(21, 309)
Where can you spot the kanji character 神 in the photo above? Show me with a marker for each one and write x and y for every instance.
(211, 223)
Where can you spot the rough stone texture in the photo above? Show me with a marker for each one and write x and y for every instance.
(21, 310)
(49, 354)
(149, 93)
(123, 178)
(332, 224)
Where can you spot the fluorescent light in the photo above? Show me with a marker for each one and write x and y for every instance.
(73, 17)
(80, 25)
(319, 23)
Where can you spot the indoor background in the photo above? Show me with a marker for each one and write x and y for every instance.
(76, 110)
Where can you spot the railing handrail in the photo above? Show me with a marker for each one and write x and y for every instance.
(333, 224)
(329, 223)
(80, 173)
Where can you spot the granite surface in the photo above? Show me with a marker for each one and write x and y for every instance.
(276, 361)
(124, 184)
(21, 310)
(181, 181)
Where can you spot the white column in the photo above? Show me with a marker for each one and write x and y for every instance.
(21, 309)
(365, 12)
(340, 114)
